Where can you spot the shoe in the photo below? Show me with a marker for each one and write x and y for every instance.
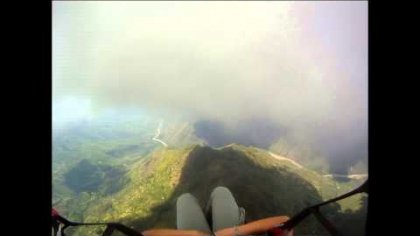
(241, 215)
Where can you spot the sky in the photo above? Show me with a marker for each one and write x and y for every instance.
(302, 65)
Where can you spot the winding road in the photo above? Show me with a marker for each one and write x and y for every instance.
(157, 133)
(356, 176)
(278, 157)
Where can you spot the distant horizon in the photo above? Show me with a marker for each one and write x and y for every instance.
(257, 68)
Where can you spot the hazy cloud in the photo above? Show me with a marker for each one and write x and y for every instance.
(300, 64)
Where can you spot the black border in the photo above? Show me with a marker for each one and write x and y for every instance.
(32, 191)
(28, 167)
(381, 217)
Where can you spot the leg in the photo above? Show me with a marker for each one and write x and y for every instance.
(189, 215)
(224, 209)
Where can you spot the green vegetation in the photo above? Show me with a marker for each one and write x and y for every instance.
(263, 185)
(180, 134)
(88, 155)
(87, 177)
(301, 152)
(125, 176)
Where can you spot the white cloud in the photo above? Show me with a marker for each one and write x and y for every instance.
(292, 62)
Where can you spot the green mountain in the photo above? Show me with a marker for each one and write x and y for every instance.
(179, 134)
(264, 184)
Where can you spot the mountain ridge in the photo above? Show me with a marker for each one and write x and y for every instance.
(263, 185)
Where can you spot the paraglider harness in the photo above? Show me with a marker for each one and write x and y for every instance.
(60, 223)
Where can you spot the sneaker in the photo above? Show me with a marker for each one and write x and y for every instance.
(241, 215)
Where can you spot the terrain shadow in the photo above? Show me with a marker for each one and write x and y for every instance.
(262, 191)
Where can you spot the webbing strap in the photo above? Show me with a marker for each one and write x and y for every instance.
(295, 220)
(327, 224)
(111, 226)
(288, 225)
